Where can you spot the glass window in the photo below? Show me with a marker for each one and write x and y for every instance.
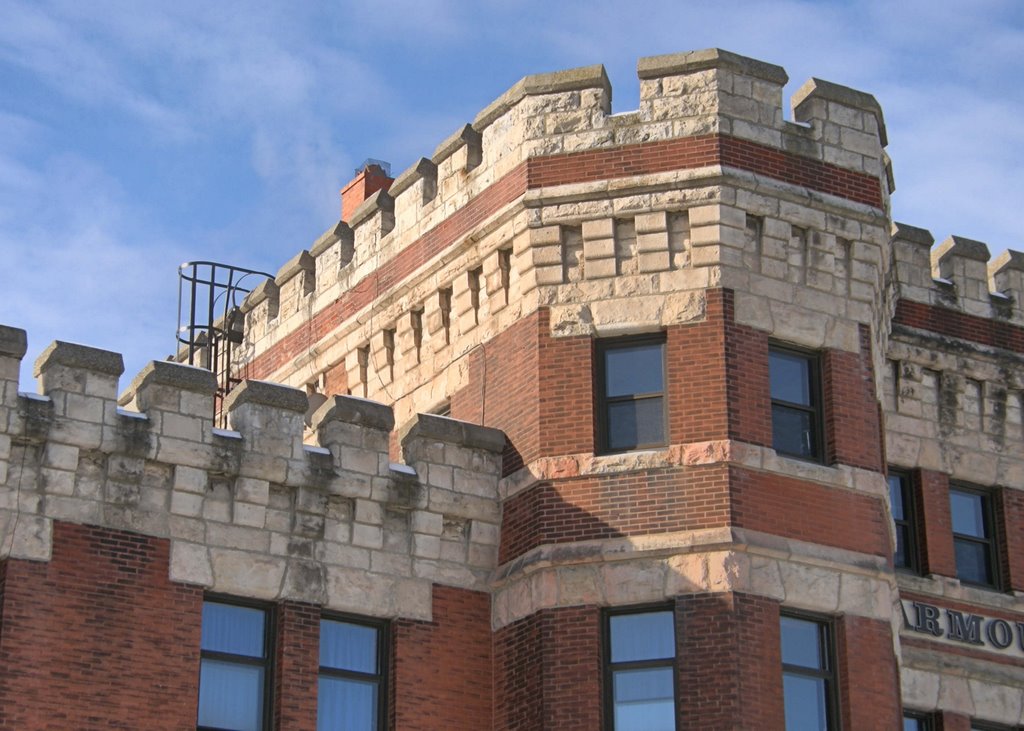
(971, 512)
(808, 675)
(351, 685)
(631, 393)
(640, 664)
(901, 503)
(916, 722)
(796, 403)
(233, 671)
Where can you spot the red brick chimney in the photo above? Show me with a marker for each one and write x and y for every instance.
(373, 176)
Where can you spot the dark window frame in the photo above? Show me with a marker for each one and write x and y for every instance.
(828, 645)
(602, 402)
(924, 719)
(910, 522)
(609, 668)
(991, 541)
(267, 662)
(817, 396)
(383, 658)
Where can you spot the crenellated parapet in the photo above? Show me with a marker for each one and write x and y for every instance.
(958, 274)
(547, 200)
(252, 510)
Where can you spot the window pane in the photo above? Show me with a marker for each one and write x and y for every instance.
(896, 497)
(793, 431)
(806, 707)
(648, 636)
(972, 562)
(968, 513)
(633, 369)
(902, 540)
(801, 643)
(346, 705)
(644, 700)
(233, 629)
(631, 423)
(347, 646)
(230, 695)
(913, 724)
(790, 376)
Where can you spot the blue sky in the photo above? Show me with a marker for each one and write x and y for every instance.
(137, 135)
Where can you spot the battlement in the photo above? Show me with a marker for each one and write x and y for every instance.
(548, 199)
(958, 274)
(253, 510)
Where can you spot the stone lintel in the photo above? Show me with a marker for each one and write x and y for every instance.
(13, 342)
(584, 77)
(379, 201)
(175, 375)
(672, 64)
(912, 234)
(422, 168)
(818, 89)
(453, 431)
(338, 232)
(354, 410)
(263, 393)
(963, 248)
(301, 262)
(72, 355)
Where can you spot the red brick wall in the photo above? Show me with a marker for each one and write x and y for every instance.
(937, 556)
(729, 668)
(98, 637)
(853, 431)
(808, 511)
(869, 677)
(718, 378)
(297, 663)
(614, 504)
(441, 670)
(946, 721)
(548, 671)
(972, 328)
(504, 389)
(1010, 537)
(670, 499)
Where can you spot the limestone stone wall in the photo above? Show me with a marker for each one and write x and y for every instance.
(514, 212)
(251, 511)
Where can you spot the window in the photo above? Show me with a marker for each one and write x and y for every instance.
(901, 503)
(351, 686)
(796, 403)
(234, 671)
(916, 722)
(808, 674)
(631, 393)
(972, 535)
(640, 654)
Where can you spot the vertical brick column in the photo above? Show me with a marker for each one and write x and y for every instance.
(297, 663)
(946, 721)
(937, 556)
(852, 426)
(548, 671)
(441, 670)
(869, 677)
(1010, 537)
(730, 670)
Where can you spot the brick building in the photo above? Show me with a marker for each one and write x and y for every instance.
(640, 421)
